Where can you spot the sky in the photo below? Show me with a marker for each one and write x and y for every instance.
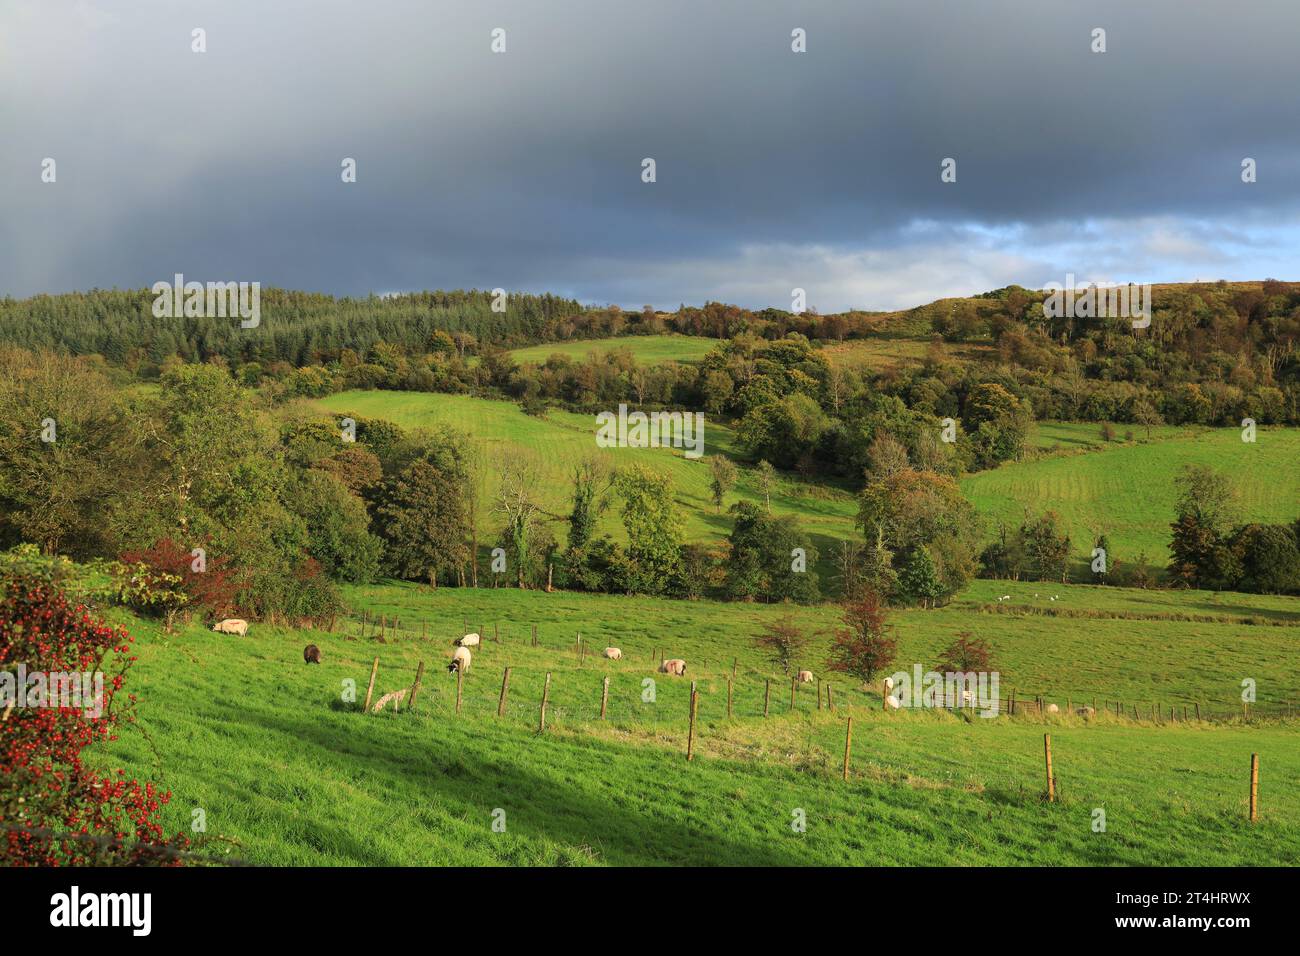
(523, 169)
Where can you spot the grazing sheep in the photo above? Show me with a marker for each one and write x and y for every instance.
(805, 677)
(892, 703)
(613, 653)
(967, 699)
(396, 697)
(469, 640)
(231, 625)
(460, 660)
(1053, 709)
(676, 666)
(311, 654)
(1085, 712)
(1005, 597)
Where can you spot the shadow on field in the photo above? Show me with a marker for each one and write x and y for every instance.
(577, 803)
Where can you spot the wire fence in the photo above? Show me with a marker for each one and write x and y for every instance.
(751, 695)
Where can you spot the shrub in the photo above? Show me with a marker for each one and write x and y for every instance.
(59, 812)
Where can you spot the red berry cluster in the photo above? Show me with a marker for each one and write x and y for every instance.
(55, 811)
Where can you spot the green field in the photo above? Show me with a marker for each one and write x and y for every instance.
(288, 773)
(1127, 490)
(1124, 489)
(646, 349)
(563, 439)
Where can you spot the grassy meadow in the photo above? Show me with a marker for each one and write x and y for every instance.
(1122, 488)
(289, 773)
(561, 440)
(1127, 490)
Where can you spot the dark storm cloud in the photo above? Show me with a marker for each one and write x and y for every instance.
(523, 169)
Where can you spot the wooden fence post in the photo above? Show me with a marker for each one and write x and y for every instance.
(819, 693)
(830, 697)
(884, 703)
(690, 734)
(1198, 709)
(496, 633)
(460, 673)
(415, 688)
(534, 635)
(546, 692)
(1051, 781)
(729, 698)
(604, 697)
(848, 747)
(734, 662)
(1254, 787)
(794, 686)
(424, 630)
(374, 669)
(767, 693)
(505, 691)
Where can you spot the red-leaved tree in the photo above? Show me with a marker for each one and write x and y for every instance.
(862, 648)
(213, 589)
(54, 810)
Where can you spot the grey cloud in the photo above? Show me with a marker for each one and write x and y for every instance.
(523, 169)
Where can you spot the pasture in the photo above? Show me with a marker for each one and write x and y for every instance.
(561, 440)
(1124, 489)
(289, 773)
(1127, 490)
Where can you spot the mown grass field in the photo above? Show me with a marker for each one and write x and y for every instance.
(646, 349)
(1127, 490)
(288, 773)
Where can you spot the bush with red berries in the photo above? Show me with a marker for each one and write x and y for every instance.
(54, 810)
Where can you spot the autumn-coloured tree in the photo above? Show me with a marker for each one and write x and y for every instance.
(205, 580)
(862, 648)
(55, 810)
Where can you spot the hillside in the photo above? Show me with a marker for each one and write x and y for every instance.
(289, 774)
(646, 349)
(1127, 491)
(562, 439)
(1124, 489)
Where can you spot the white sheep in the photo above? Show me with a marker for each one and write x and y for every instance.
(469, 640)
(805, 677)
(231, 625)
(460, 660)
(675, 666)
(892, 703)
(1053, 709)
(613, 653)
